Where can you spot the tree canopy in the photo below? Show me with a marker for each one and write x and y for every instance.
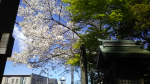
(122, 15)
(126, 18)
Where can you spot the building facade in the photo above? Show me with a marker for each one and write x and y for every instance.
(52, 81)
(62, 81)
(27, 79)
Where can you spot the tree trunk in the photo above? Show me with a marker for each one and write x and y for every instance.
(83, 65)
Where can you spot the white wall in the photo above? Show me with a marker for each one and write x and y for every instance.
(28, 80)
(15, 79)
(3, 80)
(59, 82)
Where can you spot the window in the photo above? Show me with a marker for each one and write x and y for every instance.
(16, 81)
(23, 80)
(37, 82)
(12, 82)
(7, 80)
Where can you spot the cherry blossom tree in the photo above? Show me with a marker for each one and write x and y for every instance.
(49, 35)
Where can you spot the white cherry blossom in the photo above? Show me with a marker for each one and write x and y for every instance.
(48, 38)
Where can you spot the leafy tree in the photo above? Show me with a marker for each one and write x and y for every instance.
(91, 43)
(126, 17)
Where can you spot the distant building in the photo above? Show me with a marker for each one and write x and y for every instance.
(52, 81)
(27, 79)
(62, 81)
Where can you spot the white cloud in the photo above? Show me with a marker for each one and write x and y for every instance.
(19, 37)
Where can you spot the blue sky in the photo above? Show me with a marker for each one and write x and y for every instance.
(10, 69)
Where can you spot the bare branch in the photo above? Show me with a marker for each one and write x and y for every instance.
(30, 6)
(60, 11)
(17, 23)
(66, 27)
(50, 10)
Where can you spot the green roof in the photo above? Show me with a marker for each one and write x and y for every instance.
(123, 50)
(121, 47)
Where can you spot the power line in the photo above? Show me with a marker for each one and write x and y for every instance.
(18, 37)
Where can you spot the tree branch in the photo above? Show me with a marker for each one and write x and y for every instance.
(50, 10)
(17, 23)
(30, 6)
(60, 11)
(64, 26)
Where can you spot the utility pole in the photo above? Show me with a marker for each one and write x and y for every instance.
(47, 75)
(72, 75)
(72, 67)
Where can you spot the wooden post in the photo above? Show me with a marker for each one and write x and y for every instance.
(83, 65)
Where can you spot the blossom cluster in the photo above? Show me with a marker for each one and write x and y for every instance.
(46, 38)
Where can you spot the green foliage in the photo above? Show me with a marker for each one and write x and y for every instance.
(80, 9)
(90, 39)
(141, 15)
(116, 16)
(91, 44)
(129, 18)
(75, 61)
(112, 12)
(77, 45)
(148, 48)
